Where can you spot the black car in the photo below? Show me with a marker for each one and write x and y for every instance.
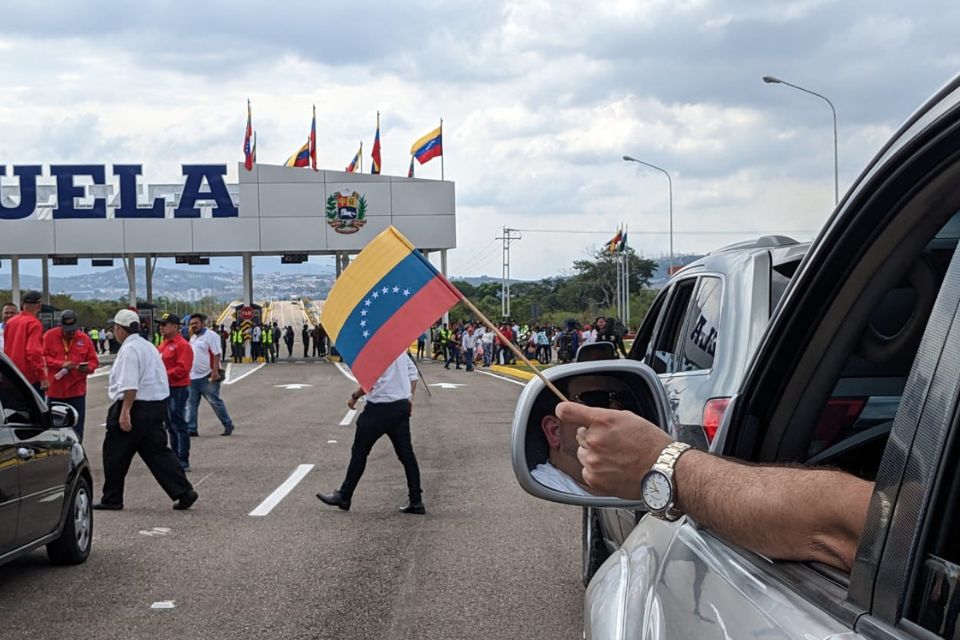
(45, 482)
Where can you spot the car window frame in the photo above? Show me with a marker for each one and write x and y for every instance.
(662, 320)
(37, 410)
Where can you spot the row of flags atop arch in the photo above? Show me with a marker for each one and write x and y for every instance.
(423, 150)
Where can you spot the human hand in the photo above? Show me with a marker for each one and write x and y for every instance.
(215, 376)
(44, 384)
(83, 367)
(69, 366)
(125, 423)
(617, 448)
(352, 402)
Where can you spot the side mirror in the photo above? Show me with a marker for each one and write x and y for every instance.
(596, 351)
(63, 416)
(544, 448)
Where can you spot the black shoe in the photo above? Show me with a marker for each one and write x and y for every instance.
(186, 500)
(194, 434)
(227, 432)
(335, 499)
(108, 506)
(414, 507)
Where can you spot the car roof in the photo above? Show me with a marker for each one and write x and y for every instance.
(726, 259)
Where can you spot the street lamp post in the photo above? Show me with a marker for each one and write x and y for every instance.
(670, 190)
(836, 170)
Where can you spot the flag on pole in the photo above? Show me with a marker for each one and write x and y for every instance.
(249, 155)
(614, 244)
(410, 170)
(386, 298)
(301, 158)
(623, 242)
(375, 154)
(352, 167)
(429, 146)
(313, 139)
(254, 152)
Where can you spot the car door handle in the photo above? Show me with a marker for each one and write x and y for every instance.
(24, 453)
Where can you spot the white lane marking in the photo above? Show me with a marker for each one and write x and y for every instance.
(156, 531)
(163, 604)
(447, 385)
(197, 484)
(295, 387)
(345, 371)
(281, 492)
(331, 442)
(493, 375)
(347, 419)
(242, 375)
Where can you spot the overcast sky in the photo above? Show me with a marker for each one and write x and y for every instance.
(539, 99)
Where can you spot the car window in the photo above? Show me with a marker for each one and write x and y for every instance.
(699, 344)
(16, 400)
(641, 344)
(667, 341)
(780, 276)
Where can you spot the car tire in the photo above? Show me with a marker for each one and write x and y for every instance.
(73, 545)
(594, 550)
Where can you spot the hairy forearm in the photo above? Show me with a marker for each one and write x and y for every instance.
(787, 513)
(129, 396)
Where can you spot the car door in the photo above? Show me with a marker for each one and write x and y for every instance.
(43, 455)
(9, 490)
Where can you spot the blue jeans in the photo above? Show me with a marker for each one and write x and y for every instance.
(453, 355)
(468, 356)
(487, 354)
(80, 404)
(177, 424)
(210, 391)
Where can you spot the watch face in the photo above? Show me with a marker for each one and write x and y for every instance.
(656, 491)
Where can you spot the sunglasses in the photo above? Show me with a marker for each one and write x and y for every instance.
(603, 399)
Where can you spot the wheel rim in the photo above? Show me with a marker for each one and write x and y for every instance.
(81, 519)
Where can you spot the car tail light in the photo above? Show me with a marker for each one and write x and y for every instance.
(713, 415)
(838, 414)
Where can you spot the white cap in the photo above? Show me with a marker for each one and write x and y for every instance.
(125, 318)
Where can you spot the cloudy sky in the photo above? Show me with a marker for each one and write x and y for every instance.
(539, 99)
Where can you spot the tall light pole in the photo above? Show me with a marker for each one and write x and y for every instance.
(670, 189)
(836, 169)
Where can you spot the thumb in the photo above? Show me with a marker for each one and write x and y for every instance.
(580, 414)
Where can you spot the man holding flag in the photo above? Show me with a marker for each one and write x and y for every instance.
(380, 304)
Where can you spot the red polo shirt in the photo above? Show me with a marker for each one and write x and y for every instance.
(78, 350)
(23, 343)
(177, 355)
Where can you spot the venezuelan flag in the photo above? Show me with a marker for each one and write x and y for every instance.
(614, 244)
(301, 158)
(375, 155)
(429, 146)
(355, 162)
(382, 302)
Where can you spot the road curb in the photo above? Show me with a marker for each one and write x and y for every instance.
(513, 373)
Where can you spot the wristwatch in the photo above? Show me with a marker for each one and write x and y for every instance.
(658, 488)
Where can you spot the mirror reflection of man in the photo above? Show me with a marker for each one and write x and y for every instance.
(563, 471)
(6, 312)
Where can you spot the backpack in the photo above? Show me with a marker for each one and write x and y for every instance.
(565, 347)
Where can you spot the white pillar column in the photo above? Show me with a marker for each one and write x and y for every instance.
(15, 281)
(149, 263)
(443, 270)
(248, 279)
(131, 264)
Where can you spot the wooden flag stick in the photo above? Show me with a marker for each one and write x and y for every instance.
(513, 347)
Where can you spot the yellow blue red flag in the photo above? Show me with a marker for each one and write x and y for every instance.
(429, 146)
(301, 158)
(382, 302)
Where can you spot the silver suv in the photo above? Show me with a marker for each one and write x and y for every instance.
(699, 335)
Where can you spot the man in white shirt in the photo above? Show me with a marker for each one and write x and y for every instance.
(487, 339)
(205, 376)
(8, 311)
(137, 419)
(469, 342)
(387, 412)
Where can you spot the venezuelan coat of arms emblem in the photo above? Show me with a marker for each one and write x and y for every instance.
(346, 212)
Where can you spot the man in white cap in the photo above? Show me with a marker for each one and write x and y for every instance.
(137, 419)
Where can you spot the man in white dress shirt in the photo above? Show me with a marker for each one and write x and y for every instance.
(137, 419)
(6, 312)
(387, 412)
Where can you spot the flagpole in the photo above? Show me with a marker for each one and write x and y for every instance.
(512, 347)
(441, 159)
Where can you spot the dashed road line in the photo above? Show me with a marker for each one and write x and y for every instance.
(265, 507)
(347, 419)
(243, 375)
(493, 375)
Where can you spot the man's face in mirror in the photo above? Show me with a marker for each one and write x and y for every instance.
(8, 312)
(606, 392)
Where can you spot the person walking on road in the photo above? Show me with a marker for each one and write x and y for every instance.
(277, 337)
(305, 336)
(256, 335)
(23, 342)
(421, 345)
(137, 419)
(288, 338)
(387, 412)
(95, 338)
(71, 357)
(177, 356)
(266, 342)
(205, 376)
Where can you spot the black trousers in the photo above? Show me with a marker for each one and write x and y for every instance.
(148, 438)
(391, 419)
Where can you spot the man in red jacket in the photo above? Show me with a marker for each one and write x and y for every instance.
(71, 357)
(23, 342)
(177, 355)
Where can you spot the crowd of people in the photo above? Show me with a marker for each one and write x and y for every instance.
(467, 345)
(265, 340)
(156, 382)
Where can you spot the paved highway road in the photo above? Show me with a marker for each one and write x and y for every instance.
(286, 313)
(487, 561)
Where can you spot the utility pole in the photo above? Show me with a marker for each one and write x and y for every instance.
(508, 236)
